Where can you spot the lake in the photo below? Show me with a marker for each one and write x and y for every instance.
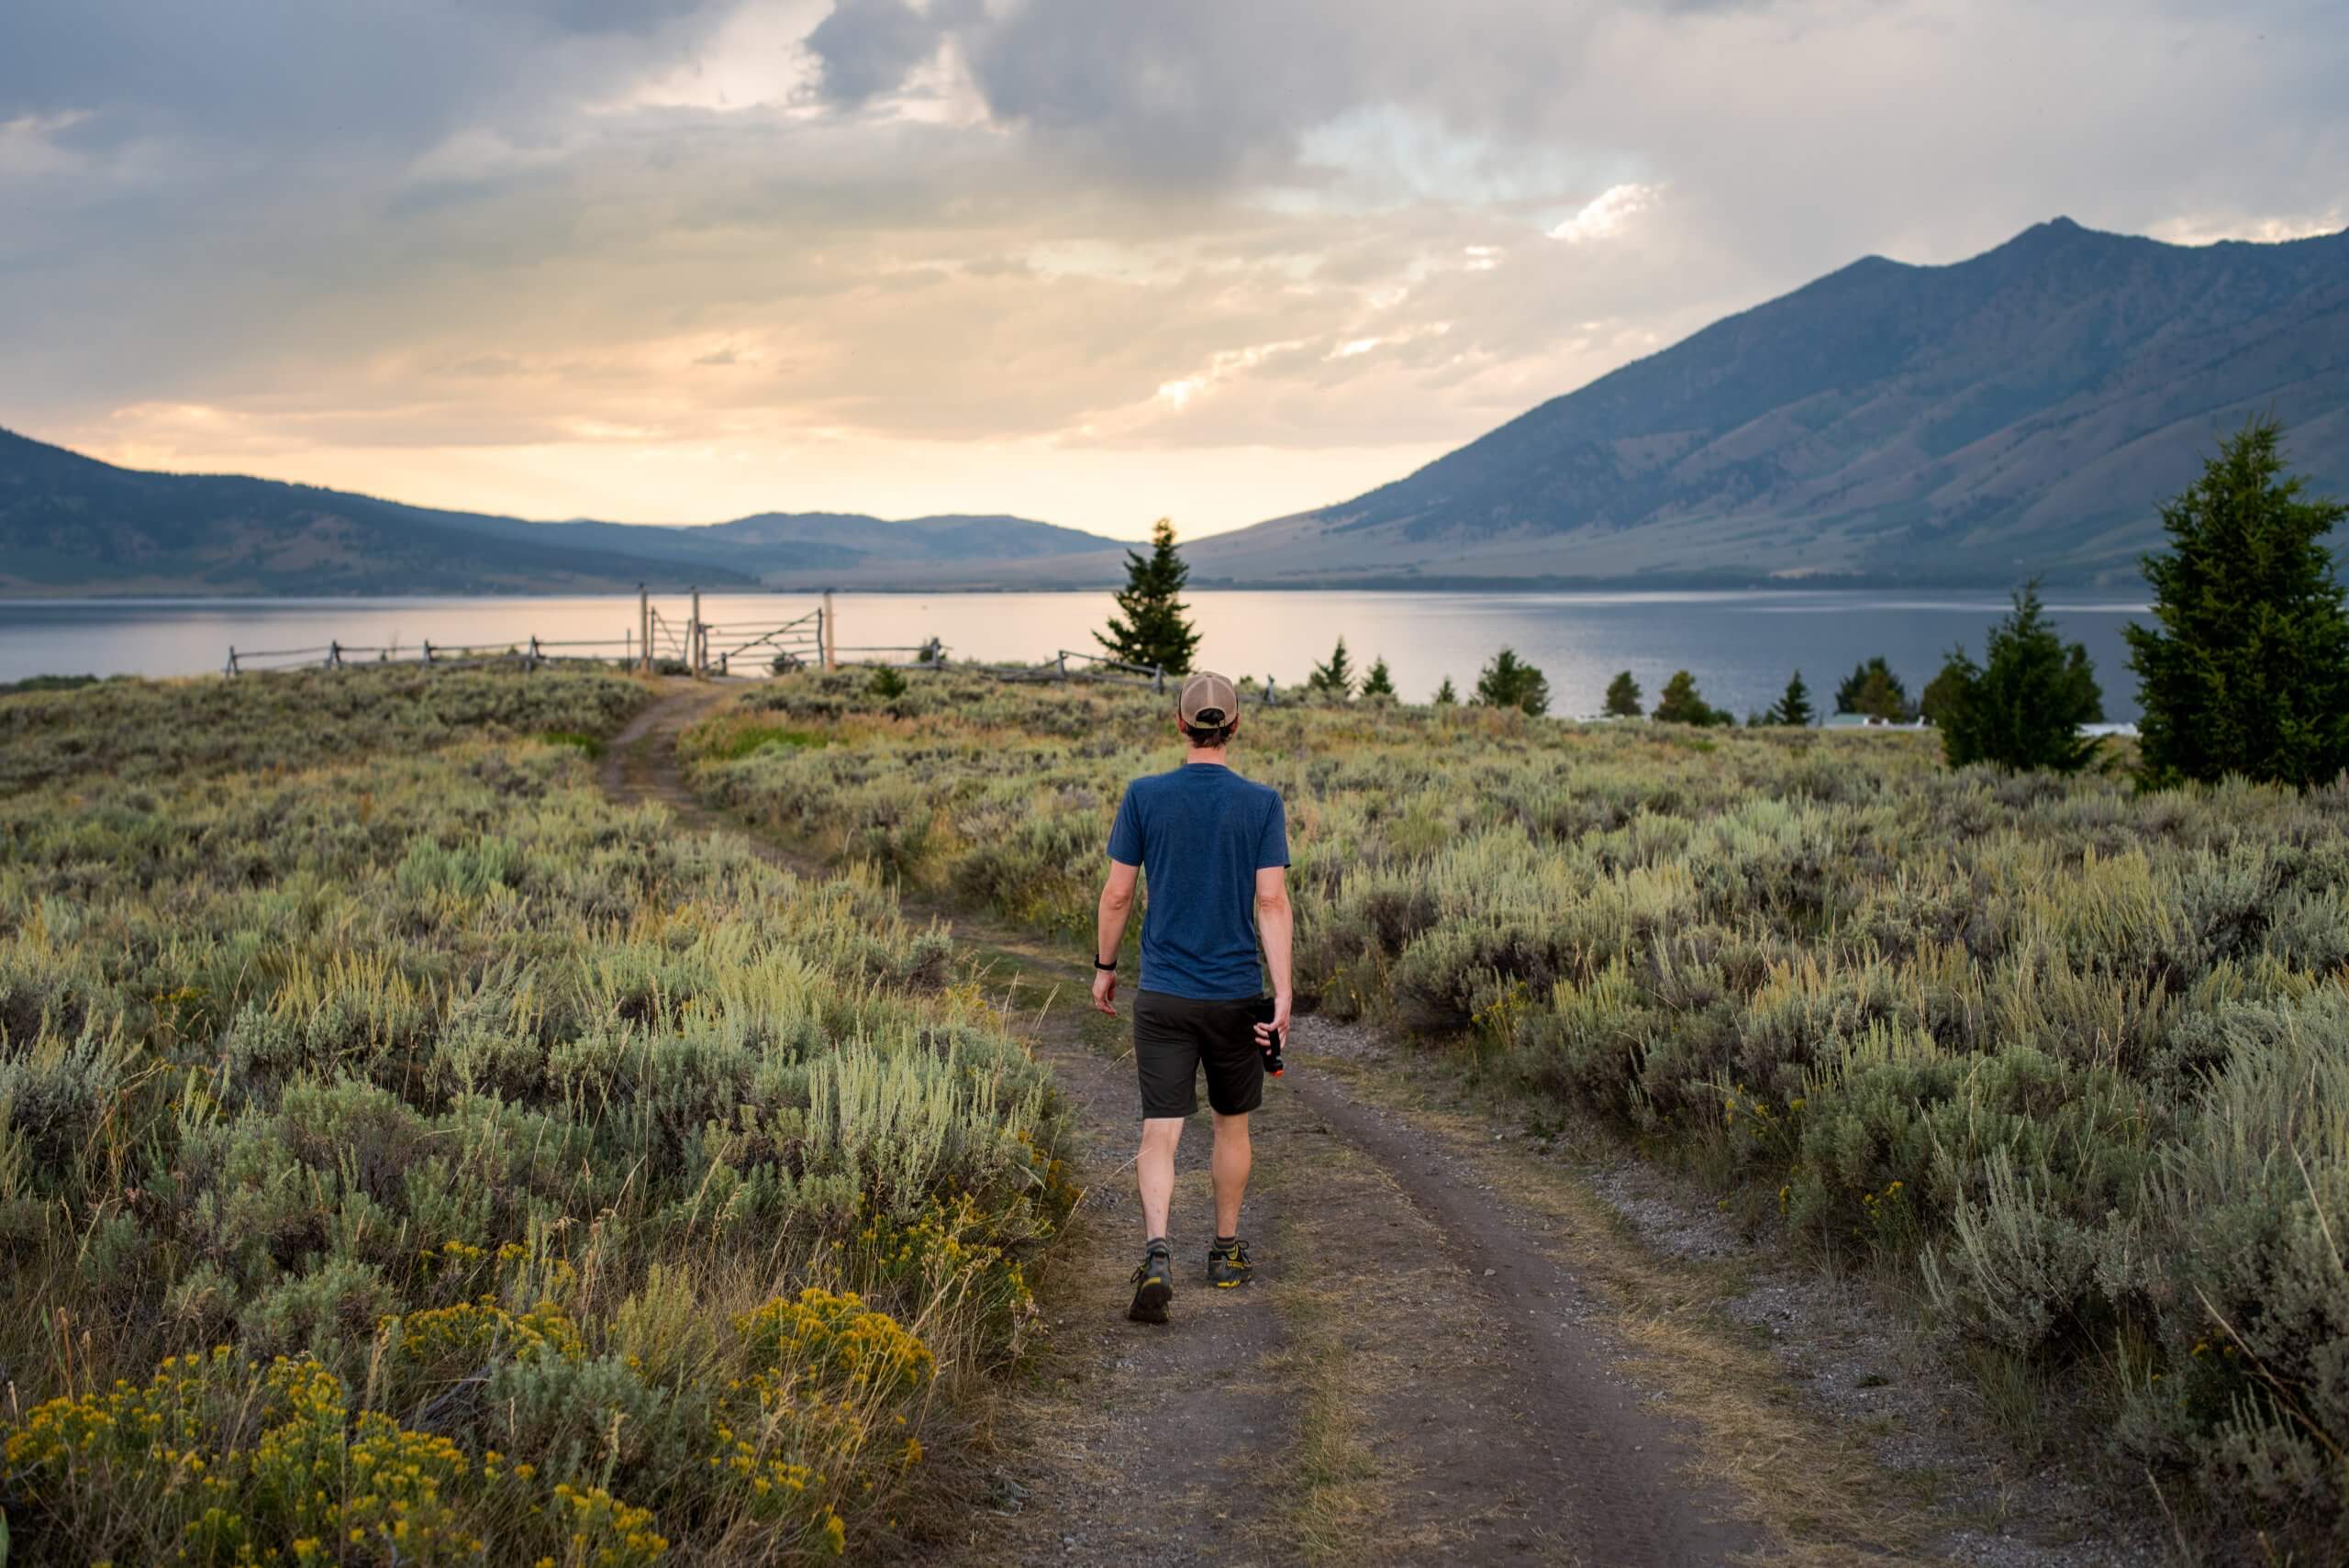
(1740, 646)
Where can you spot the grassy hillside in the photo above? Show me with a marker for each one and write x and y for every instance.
(407, 1156)
(2072, 1059)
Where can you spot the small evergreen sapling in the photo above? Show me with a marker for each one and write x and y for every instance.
(1446, 695)
(1793, 707)
(1623, 696)
(1153, 629)
(2022, 708)
(1683, 704)
(1509, 682)
(1335, 678)
(1873, 691)
(1378, 685)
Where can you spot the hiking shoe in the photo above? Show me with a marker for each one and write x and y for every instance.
(1153, 1287)
(1228, 1266)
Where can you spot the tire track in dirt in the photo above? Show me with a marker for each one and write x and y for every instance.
(1414, 1378)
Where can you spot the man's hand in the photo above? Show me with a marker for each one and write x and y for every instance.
(1116, 902)
(1267, 1035)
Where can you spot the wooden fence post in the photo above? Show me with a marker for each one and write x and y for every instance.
(334, 654)
(232, 659)
(428, 650)
(694, 638)
(827, 633)
(644, 626)
(1063, 663)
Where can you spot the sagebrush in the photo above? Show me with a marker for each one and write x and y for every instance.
(408, 1155)
(2075, 1055)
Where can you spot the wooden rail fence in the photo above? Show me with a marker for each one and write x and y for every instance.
(696, 646)
(701, 648)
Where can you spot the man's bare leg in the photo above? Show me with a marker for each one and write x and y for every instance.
(1229, 1165)
(1155, 1174)
(1154, 1170)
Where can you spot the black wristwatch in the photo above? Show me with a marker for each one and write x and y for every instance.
(1099, 965)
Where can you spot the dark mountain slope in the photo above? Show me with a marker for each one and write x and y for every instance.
(2020, 412)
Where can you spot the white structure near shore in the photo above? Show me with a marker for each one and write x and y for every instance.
(1869, 721)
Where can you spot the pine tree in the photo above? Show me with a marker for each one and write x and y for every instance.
(1683, 704)
(1509, 682)
(1378, 685)
(1873, 690)
(1623, 696)
(1335, 678)
(1154, 629)
(2246, 670)
(1793, 707)
(2022, 709)
(1946, 690)
(1446, 695)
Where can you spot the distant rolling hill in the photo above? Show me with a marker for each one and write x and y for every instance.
(802, 550)
(69, 524)
(72, 525)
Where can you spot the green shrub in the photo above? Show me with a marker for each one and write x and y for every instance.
(2023, 708)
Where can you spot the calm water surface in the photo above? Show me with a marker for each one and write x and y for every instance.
(1740, 646)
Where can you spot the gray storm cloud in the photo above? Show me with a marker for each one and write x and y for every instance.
(867, 48)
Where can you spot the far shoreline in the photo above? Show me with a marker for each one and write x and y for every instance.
(1612, 590)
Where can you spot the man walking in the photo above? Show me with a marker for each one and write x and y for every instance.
(1214, 848)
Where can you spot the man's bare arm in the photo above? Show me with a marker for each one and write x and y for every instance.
(1109, 930)
(1276, 924)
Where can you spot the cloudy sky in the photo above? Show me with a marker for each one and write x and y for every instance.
(1092, 260)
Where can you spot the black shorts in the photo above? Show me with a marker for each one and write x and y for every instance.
(1174, 1035)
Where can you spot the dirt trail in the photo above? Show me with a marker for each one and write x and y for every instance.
(1421, 1374)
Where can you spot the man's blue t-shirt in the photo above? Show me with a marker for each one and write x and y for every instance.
(1200, 835)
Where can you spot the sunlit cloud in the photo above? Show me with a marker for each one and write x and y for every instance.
(1608, 215)
(28, 144)
(2259, 230)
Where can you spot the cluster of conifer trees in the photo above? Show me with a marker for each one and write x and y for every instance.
(2243, 669)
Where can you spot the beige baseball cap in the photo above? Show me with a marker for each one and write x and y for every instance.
(1208, 701)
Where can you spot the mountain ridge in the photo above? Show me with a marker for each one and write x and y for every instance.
(2000, 389)
(2020, 413)
(71, 524)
